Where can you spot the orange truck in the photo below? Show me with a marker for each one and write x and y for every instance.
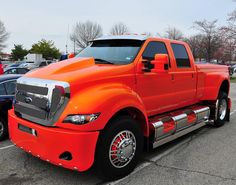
(119, 96)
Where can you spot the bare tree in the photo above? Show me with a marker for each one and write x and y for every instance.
(196, 44)
(119, 29)
(84, 32)
(229, 36)
(173, 33)
(3, 35)
(212, 41)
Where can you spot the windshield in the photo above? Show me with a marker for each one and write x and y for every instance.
(112, 51)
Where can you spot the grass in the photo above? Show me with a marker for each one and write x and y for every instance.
(233, 79)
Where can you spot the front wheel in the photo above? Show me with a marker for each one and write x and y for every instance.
(222, 110)
(119, 148)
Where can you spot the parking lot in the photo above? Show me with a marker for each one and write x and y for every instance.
(206, 156)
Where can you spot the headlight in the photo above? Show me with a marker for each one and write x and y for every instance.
(80, 119)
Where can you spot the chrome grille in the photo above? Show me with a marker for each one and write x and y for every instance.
(41, 101)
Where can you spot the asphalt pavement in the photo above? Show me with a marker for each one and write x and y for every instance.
(205, 156)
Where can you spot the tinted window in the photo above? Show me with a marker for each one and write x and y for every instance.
(2, 90)
(181, 56)
(10, 87)
(154, 48)
(121, 51)
(22, 71)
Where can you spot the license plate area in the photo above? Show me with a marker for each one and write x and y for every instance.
(27, 129)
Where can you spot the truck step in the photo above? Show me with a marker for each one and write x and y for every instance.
(178, 123)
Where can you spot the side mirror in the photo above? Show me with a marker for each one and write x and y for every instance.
(160, 64)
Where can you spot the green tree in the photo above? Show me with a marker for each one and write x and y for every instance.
(46, 48)
(18, 52)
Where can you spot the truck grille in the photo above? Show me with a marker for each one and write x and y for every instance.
(41, 101)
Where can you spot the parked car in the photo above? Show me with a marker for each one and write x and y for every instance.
(1, 68)
(231, 70)
(45, 63)
(7, 94)
(29, 65)
(234, 68)
(14, 65)
(16, 70)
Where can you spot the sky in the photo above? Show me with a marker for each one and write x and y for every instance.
(29, 21)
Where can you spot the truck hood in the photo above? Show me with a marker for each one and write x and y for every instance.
(78, 69)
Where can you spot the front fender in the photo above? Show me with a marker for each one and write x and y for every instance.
(106, 99)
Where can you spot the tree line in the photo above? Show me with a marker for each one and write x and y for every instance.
(211, 41)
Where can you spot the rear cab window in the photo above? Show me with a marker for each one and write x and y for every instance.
(181, 56)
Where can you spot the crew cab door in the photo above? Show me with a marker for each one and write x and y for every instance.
(156, 89)
(184, 76)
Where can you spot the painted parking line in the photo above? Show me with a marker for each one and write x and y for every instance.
(5, 147)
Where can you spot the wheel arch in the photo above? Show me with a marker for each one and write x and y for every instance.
(136, 114)
(224, 87)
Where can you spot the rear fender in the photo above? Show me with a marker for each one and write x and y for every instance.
(213, 83)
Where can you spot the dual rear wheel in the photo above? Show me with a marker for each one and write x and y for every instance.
(222, 110)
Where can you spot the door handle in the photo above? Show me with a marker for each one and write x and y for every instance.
(172, 77)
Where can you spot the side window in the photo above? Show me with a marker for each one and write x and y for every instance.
(181, 56)
(154, 48)
(2, 90)
(10, 87)
(22, 71)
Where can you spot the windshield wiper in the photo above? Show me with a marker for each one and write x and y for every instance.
(102, 61)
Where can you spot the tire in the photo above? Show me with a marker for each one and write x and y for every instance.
(3, 129)
(222, 110)
(121, 132)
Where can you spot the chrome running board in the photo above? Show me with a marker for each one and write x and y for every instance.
(178, 123)
(178, 134)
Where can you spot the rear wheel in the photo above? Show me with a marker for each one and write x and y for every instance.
(222, 110)
(3, 129)
(119, 148)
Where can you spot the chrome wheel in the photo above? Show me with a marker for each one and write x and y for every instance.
(122, 149)
(1, 128)
(222, 109)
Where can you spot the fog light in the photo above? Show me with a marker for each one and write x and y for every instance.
(81, 118)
